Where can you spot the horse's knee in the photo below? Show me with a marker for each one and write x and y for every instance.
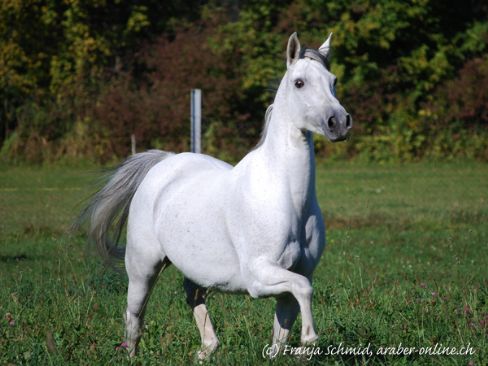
(302, 288)
(255, 289)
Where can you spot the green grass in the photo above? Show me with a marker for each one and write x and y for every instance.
(406, 262)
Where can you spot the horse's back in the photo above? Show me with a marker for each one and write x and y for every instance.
(177, 172)
(184, 165)
(179, 178)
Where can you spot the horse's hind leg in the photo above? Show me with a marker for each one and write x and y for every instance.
(143, 270)
(195, 297)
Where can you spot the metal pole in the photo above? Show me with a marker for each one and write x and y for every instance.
(196, 120)
(133, 144)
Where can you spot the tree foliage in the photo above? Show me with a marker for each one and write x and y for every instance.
(77, 78)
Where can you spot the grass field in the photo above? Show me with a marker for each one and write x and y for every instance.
(406, 263)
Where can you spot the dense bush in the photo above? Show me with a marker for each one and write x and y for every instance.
(155, 106)
(78, 78)
(464, 98)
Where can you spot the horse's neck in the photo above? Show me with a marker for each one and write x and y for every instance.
(289, 154)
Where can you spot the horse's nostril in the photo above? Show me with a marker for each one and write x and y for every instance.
(348, 122)
(331, 123)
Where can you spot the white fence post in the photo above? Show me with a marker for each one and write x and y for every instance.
(196, 120)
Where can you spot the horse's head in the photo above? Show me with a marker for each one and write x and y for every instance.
(310, 91)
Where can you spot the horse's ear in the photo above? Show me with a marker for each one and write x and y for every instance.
(292, 50)
(325, 48)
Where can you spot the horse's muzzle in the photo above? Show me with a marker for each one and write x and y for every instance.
(336, 128)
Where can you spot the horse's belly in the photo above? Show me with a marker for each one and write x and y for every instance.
(192, 232)
(209, 263)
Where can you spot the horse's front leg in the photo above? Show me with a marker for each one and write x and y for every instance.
(286, 312)
(195, 297)
(270, 279)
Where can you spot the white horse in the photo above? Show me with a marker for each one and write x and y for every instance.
(255, 227)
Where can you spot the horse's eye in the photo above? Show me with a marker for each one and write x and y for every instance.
(335, 82)
(299, 83)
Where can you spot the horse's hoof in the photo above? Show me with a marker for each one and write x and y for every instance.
(132, 352)
(206, 351)
(203, 355)
(309, 340)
